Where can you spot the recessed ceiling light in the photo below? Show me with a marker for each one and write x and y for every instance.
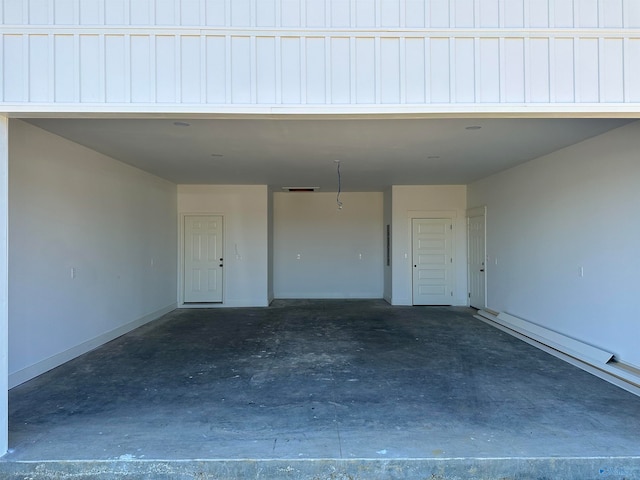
(182, 124)
(473, 127)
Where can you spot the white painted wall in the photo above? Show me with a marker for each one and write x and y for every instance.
(72, 208)
(245, 212)
(436, 201)
(341, 251)
(546, 219)
(387, 219)
(270, 295)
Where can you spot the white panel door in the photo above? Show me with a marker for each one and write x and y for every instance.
(432, 261)
(203, 261)
(477, 256)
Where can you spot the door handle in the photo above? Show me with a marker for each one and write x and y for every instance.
(481, 270)
(221, 265)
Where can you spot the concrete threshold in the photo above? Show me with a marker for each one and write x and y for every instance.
(557, 468)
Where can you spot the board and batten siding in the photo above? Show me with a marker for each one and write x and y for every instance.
(326, 13)
(205, 53)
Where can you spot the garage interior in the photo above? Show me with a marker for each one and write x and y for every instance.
(97, 210)
(322, 379)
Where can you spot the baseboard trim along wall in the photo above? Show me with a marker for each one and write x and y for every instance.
(598, 362)
(54, 361)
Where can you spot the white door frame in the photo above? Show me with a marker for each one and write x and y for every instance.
(477, 212)
(417, 214)
(181, 303)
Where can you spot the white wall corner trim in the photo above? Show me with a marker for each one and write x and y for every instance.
(47, 364)
(4, 284)
(586, 357)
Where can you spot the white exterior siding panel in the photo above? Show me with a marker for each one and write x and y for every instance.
(316, 70)
(308, 52)
(39, 69)
(91, 70)
(216, 69)
(340, 71)
(440, 70)
(390, 70)
(465, 71)
(612, 70)
(140, 61)
(539, 70)
(563, 84)
(327, 13)
(266, 70)
(291, 70)
(241, 70)
(488, 69)
(633, 70)
(365, 70)
(514, 66)
(587, 81)
(191, 69)
(65, 69)
(14, 68)
(116, 65)
(415, 68)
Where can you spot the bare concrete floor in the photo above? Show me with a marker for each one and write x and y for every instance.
(330, 380)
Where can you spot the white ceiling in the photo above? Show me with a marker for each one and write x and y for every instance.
(373, 153)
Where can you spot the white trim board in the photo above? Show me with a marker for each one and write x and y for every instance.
(54, 361)
(610, 371)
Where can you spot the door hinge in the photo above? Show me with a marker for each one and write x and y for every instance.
(451, 226)
(451, 260)
(452, 294)
(469, 294)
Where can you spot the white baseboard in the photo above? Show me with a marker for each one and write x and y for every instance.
(27, 373)
(616, 373)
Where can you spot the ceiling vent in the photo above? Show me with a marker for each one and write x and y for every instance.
(300, 189)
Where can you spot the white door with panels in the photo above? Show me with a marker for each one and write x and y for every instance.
(477, 258)
(432, 261)
(203, 261)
